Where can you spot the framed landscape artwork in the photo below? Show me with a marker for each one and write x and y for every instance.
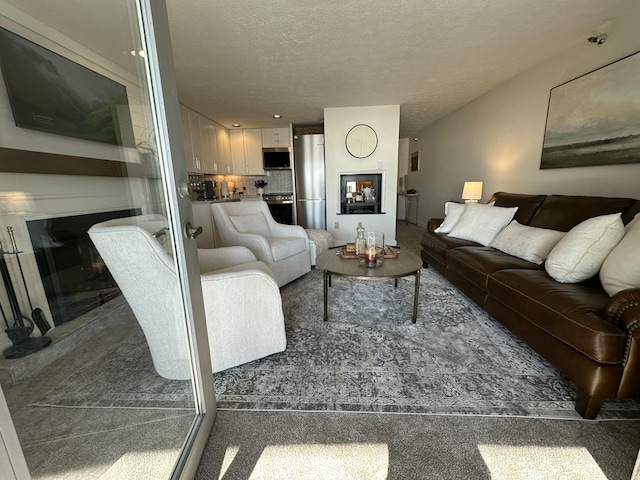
(595, 119)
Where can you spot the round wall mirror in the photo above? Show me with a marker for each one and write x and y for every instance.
(361, 141)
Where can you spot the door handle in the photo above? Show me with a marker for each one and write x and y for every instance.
(190, 231)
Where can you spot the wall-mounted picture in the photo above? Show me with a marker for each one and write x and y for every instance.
(595, 119)
(414, 162)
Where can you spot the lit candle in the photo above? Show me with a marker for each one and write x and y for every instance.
(370, 256)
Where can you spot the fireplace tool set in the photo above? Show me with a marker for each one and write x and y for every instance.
(20, 330)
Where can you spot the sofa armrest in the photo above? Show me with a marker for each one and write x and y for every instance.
(211, 259)
(623, 309)
(434, 223)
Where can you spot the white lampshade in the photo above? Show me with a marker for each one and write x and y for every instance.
(472, 191)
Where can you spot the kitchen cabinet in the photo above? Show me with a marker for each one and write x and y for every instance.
(189, 155)
(246, 151)
(205, 126)
(206, 144)
(276, 137)
(224, 165)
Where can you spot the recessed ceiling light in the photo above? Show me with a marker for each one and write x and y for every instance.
(139, 53)
(415, 139)
(277, 116)
(236, 125)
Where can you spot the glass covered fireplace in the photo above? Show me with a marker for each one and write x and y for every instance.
(360, 193)
(73, 275)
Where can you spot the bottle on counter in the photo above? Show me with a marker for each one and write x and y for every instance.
(360, 241)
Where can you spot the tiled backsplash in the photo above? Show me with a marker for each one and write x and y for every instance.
(277, 181)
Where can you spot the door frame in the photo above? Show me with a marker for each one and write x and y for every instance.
(155, 26)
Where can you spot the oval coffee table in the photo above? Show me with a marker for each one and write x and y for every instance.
(392, 268)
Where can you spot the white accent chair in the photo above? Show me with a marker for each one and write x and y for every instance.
(242, 301)
(284, 248)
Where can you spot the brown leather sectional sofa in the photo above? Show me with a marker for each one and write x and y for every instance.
(590, 337)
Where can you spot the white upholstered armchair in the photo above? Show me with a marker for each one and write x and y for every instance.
(284, 248)
(242, 301)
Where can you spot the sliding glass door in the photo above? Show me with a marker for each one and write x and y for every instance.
(105, 366)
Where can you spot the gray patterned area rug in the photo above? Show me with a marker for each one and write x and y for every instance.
(370, 357)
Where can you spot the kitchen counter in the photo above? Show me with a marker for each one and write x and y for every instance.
(239, 198)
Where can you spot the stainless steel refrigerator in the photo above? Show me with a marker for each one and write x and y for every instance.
(308, 157)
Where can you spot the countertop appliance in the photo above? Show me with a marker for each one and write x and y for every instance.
(209, 192)
(308, 157)
(281, 206)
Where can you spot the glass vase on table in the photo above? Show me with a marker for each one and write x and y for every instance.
(373, 250)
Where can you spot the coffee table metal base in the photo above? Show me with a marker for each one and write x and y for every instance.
(416, 274)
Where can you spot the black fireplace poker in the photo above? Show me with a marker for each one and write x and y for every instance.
(20, 332)
(37, 315)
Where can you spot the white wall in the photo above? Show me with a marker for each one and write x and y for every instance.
(385, 120)
(498, 138)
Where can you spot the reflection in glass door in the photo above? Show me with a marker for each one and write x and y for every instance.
(97, 332)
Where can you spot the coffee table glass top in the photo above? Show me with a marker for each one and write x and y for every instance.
(406, 264)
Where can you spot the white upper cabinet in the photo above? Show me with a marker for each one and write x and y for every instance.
(246, 151)
(224, 151)
(276, 137)
(205, 127)
(206, 144)
(253, 151)
(189, 157)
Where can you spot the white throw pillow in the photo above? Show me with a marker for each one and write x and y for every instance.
(482, 222)
(621, 269)
(251, 223)
(581, 252)
(452, 213)
(528, 243)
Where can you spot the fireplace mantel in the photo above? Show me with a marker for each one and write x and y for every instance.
(26, 161)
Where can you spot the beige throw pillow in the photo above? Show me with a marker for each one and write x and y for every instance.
(581, 252)
(528, 243)
(251, 223)
(452, 211)
(481, 222)
(621, 269)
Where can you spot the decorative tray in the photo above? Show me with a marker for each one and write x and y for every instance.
(389, 252)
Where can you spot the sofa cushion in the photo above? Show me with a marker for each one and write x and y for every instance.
(563, 212)
(452, 213)
(621, 269)
(569, 312)
(251, 223)
(581, 252)
(480, 223)
(285, 247)
(475, 264)
(527, 204)
(528, 243)
(437, 245)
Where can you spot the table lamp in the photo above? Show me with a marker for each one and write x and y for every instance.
(472, 192)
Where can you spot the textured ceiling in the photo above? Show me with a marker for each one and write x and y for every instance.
(244, 60)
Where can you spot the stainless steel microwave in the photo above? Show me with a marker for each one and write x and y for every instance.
(278, 158)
